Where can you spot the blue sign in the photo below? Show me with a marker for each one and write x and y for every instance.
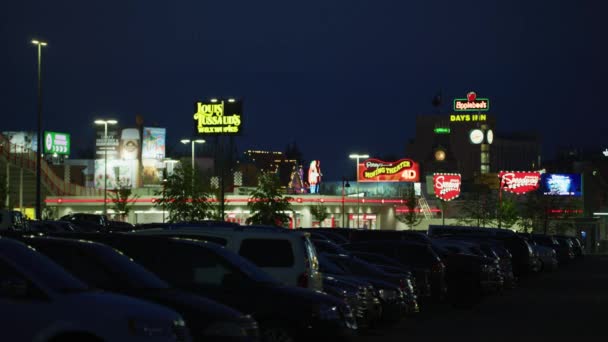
(561, 184)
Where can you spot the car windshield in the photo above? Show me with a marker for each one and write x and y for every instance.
(41, 267)
(254, 272)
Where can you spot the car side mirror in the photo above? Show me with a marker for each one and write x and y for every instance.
(13, 287)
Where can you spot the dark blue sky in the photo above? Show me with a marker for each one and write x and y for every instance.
(337, 77)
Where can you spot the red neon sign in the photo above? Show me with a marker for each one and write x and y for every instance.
(447, 185)
(519, 182)
(376, 170)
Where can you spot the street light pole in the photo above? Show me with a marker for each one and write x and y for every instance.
(343, 211)
(40, 44)
(105, 162)
(357, 157)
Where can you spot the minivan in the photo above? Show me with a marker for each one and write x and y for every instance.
(289, 256)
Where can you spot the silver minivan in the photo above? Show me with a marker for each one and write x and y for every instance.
(289, 256)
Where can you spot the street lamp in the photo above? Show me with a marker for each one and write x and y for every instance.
(105, 124)
(345, 184)
(357, 157)
(194, 141)
(166, 162)
(40, 44)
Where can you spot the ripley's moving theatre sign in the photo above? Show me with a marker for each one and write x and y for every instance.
(375, 170)
(519, 182)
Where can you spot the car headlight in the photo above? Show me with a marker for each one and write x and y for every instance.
(387, 294)
(229, 329)
(327, 312)
(155, 328)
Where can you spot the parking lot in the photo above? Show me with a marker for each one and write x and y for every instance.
(572, 302)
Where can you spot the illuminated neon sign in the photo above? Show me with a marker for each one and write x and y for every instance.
(519, 182)
(471, 103)
(447, 185)
(375, 170)
(468, 117)
(219, 117)
(442, 130)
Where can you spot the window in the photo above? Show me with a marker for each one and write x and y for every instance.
(268, 252)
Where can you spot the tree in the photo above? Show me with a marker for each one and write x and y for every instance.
(267, 203)
(3, 194)
(123, 198)
(411, 218)
(184, 196)
(319, 212)
(507, 212)
(479, 209)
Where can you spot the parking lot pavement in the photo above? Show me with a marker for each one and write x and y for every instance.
(571, 302)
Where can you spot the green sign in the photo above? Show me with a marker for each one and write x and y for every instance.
(56, 143)
(442, 130)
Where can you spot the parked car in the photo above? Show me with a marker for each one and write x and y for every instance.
(87, 222)
(577, 245)
(12, 220)
(564, 252)
(51, 226)
(40, 301)
(523, 259)
(208, 269)
(567, 245)
(421, 275)
(103, 267)
(287, 255)
(405, 302)
(470, 272)
(497, 249)
(358, 295)
(411, 254)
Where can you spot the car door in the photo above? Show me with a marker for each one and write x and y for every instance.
(24, 309)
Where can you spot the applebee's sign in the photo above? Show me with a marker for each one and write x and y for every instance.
(447, 185)
(519, 182)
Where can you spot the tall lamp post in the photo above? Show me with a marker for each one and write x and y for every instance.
(40, 44)
(194, 141)
(345, 184)
(357, 157)
(105, 124)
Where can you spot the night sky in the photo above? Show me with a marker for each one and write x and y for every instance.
(335, 76)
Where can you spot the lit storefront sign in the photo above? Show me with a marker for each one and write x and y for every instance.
(447, 185)
(56, 143)
(519, 182)
(442, 130)
(375, 170)
(468, 117)
(219, 117)
(471, 103)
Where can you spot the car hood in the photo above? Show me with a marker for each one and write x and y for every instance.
(193, 307)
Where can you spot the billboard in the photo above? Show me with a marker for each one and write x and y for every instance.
(120, 173)
(447, 185)
(519, 182)
(376, 170)
(219, 117)
(109, 146)
(314, 176)
(153, 143)
(129, 144)
(22, 142)
(55, 142)
(561, 184)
